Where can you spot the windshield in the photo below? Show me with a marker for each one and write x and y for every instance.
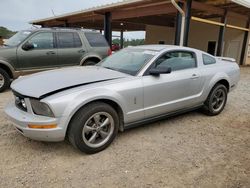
(129, 60)
(17, 38)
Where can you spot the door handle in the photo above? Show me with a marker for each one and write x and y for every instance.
(194, 76)
(81, 51)
(51, 53)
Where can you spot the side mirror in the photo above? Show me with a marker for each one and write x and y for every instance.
(158, 72)
(27, 46)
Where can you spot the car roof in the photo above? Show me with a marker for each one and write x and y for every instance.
(160, 47)
(61, 29)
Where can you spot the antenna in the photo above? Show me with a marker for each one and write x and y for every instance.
(53, 12)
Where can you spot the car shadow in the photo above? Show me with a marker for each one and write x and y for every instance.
(167, 121)
(65, 149)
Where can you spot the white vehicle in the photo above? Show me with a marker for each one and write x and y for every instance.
(88, 105)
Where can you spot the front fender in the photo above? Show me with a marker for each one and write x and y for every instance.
(74, 101)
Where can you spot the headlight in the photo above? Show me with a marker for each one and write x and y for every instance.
(20, 103)
(41, 108)
(23, 103)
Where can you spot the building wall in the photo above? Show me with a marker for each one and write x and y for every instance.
(154, 34)
(233, 43)
(201, 33)
(199, 36)
(248, 52)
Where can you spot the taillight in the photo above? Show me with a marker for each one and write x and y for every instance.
(109, 52)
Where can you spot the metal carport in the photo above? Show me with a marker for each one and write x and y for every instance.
(135, 15)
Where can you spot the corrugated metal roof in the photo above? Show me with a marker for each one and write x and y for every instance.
(245, 3)
(96, 8)
(94, 11)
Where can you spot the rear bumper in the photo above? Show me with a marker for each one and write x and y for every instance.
(22, 119)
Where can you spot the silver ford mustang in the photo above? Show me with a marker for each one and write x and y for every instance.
(137, 85)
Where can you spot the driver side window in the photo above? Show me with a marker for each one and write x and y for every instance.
(42, 41)
(176, 60)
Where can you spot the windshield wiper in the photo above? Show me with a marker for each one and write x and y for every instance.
(110, 68)
(120, 70)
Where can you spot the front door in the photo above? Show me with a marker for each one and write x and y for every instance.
(175, 91)
(42, 55)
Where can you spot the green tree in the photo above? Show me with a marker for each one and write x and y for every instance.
(6, 33)
(127, 42)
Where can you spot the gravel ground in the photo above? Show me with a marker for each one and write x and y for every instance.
(190, 150)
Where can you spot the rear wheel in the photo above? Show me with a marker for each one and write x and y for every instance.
(4, 80)
(216, 100)
(93, 128)
(89, 63)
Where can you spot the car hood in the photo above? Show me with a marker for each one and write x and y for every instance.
(43, 84)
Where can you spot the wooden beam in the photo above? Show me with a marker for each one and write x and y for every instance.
(136, 12)
(237, 27)
(216, 10)
(144, 11)
(219, 24)
(116, 26)
(238, 16)
(207, 8)
(152, 20)
(53, 23)
(85, 18)
(207, 21)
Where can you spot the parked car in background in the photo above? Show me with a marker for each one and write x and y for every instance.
(115, 47)
(136, 85)
(49, 48)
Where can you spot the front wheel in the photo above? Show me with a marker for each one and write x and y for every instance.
(93, 128)
(4, 80)
(216, 100)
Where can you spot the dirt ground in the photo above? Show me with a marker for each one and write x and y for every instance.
(190, 150)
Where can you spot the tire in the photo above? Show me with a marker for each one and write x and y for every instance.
(89, 63)
(86, 131)
(4, 80)
(216, 100)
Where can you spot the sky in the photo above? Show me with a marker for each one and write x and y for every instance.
(15, 14)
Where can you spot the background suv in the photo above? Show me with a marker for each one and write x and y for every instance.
(31, 51)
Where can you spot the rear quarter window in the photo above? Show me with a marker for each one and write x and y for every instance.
(96, 40)
(208, 60)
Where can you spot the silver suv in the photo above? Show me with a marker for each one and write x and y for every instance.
(31, 51)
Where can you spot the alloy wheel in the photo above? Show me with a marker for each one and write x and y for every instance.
(218, 100)
(2, 80)
(98, 129)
